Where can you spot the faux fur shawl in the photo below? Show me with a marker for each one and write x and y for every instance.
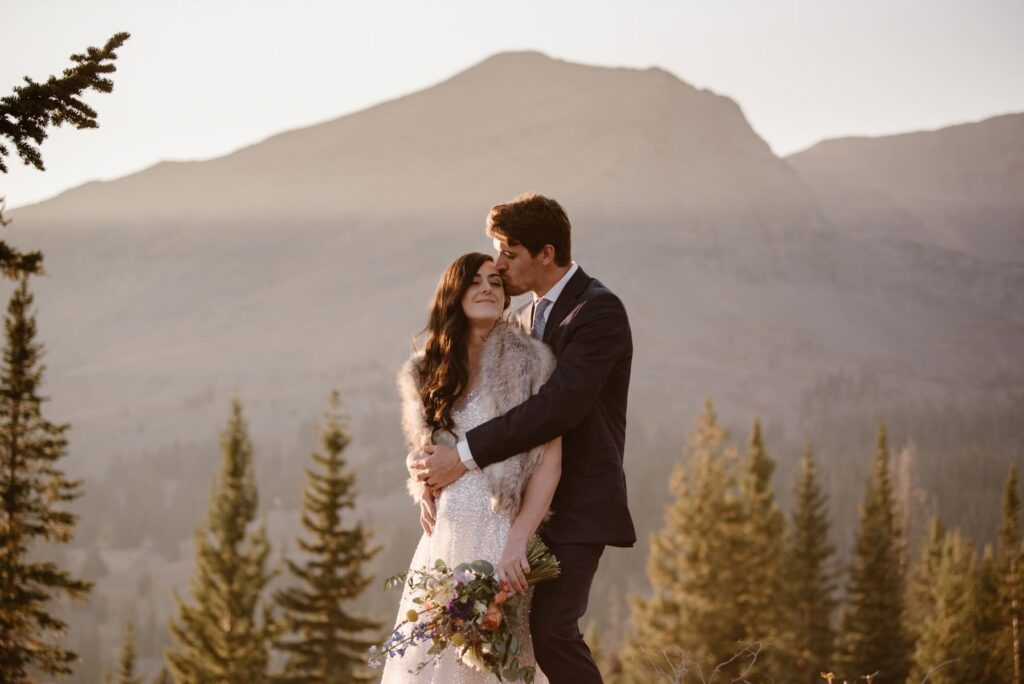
(513, 366)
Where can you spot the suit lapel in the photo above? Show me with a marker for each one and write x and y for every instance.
(566, 301)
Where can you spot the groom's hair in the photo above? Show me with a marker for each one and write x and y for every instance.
(532, 220)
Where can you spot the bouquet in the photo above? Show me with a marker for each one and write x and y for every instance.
(469, 610)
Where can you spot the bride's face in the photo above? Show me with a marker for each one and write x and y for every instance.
(485, 298)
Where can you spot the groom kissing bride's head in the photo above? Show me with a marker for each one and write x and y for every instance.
(519, 427)
(532, 237)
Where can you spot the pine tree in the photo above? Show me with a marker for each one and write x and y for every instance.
(759, 599)
(920, 597)
(975, 664)
(25, 115)
(126, 658)
(220, 638)
(693, 566)
(873, 630)
(33, 491)
(947, 649)
(990, 625)
(1010, 570)
(325, 641)
(809, 581)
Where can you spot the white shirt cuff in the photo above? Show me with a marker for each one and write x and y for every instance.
(465, 455)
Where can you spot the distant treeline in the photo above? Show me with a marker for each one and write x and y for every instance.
(729, 577)
(948, 460)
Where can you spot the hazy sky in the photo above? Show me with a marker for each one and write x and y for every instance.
(201, 78)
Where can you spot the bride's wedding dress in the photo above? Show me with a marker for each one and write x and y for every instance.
(466, 529)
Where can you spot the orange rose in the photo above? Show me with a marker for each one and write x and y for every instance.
(492, 618)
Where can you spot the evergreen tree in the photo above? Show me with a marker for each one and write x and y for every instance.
(976, 664)
(326, 641)
(33, 491)
(920, 597)
(759, 600)
(220, 638)
(947, 648)
(1010, 570)
(873, 631)
(693, 566)
(809, 581)
(1009, 531)
(928, 566)
(25, 115)
(990, 627)
(126, 658)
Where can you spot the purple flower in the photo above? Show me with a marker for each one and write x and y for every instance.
(460, 609)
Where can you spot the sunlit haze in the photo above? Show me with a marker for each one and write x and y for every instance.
(199, 79)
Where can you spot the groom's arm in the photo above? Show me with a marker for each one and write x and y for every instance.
(600, 340)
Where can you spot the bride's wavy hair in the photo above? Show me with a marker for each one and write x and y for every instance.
(444, 369)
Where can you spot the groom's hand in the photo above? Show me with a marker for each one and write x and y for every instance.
(411, 460)
(438, 466)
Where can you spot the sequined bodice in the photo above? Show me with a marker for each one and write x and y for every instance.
(469, 412)
(467, 501)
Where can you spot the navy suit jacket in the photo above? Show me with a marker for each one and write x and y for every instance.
(584, 401)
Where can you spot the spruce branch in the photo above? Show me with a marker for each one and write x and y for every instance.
(26, 114)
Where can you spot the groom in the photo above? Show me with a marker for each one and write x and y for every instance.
(584, 401)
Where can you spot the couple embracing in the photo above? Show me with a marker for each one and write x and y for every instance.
(516, 423)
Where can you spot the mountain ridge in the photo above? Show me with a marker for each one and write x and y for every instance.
(538, 98)
(314, 253)
(959, 186)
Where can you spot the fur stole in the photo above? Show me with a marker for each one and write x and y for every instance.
(513, 366)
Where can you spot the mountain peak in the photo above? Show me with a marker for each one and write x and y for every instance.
(524, 61)
(514, 120)
(518, 56)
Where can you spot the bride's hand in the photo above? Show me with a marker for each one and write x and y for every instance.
(428, 512)
(512, 567)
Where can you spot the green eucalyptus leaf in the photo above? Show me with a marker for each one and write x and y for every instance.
(482, 567)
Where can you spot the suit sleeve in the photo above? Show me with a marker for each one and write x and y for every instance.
(600, 338)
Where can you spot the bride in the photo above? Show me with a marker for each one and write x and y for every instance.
(473, 367)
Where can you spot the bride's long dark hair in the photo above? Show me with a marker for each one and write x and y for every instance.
(444, 370)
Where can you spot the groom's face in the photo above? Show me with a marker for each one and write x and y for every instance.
(519, 271)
